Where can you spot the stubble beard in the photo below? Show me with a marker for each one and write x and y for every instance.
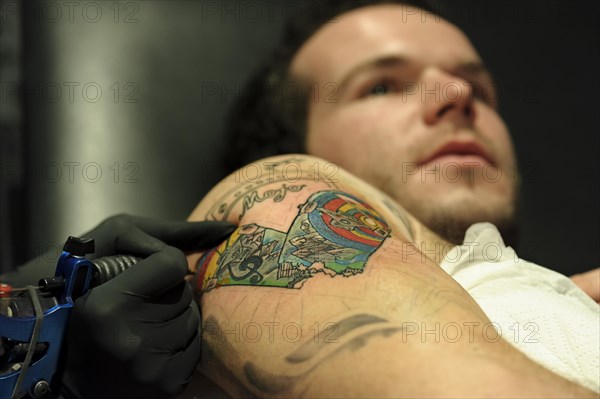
(450, 219)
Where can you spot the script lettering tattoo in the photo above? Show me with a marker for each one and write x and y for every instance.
(334, 233)
(312, 347)
(285, 384)
(277, 195)
(307, 358)
(248, 192)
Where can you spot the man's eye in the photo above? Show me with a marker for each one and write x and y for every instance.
(379, 89)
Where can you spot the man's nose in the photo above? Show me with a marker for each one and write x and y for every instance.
(446, 98)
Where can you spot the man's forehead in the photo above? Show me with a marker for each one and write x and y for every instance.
(381, 31)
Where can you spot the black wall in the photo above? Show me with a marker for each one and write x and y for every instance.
(545, 56)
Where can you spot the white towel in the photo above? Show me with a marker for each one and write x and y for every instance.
(539, 311)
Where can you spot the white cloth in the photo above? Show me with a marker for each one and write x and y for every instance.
(539, 311)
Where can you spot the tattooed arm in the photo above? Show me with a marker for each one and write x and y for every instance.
(320, 293)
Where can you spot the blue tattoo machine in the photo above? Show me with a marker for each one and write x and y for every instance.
(33, 319)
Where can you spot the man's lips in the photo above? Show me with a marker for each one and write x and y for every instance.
(461, 152)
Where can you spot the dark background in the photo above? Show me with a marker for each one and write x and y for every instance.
(167, 71)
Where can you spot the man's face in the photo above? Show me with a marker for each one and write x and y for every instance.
(403, 101)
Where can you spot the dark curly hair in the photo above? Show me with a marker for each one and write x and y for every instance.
(266, 119)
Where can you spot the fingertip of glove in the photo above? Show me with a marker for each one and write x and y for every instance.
(204, 235)
(216, 231)
(227, 226)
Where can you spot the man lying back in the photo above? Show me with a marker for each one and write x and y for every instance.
(322, 292)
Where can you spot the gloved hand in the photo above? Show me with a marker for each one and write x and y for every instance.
(137, 335)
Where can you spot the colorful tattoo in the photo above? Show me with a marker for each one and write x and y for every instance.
(334, 233)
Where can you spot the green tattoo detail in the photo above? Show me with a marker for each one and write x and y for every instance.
(334, 233)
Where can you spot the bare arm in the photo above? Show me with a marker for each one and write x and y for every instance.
(589, 282)
(319, 293)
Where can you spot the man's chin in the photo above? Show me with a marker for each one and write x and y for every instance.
(451, 219)
(453, 229)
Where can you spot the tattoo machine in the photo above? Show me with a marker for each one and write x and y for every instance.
(33, 319)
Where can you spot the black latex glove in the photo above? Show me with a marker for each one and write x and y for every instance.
(137, 335)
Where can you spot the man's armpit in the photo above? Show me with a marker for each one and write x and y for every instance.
(333, 233)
